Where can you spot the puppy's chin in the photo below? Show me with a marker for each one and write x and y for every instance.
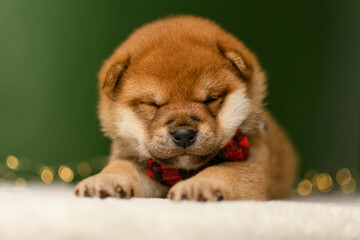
(185, 161)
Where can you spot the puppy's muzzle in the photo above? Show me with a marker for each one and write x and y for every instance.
(183, 137)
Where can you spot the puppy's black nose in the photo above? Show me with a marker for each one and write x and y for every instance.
(183, 137)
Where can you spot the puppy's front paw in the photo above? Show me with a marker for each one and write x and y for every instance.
(205, 189)
(106, 185)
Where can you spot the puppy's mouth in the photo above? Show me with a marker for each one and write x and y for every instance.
(184, 161)
(191, 157)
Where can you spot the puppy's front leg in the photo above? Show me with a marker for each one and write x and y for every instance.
(120, 179)
(226, 181)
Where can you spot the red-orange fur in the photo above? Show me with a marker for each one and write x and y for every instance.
(162, 77)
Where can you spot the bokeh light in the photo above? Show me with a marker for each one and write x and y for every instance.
(65, 173)
(20, 182)
(304, 187)
(314, 180)
(324, 182)
(343, 176)
(310, 174)
(84, 169)
(349, 187)
(12, 162)
(46, 175)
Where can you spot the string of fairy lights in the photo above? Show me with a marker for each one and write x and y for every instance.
(315, 182)
(21, 171)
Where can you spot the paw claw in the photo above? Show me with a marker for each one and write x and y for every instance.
(184, 197)
(201, 198)
(122, 193)
(86, 193)
(104, 194)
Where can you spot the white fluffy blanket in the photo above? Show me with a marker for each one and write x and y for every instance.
(53, 212)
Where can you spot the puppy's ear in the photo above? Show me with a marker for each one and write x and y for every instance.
(110, 75)
(244, 68)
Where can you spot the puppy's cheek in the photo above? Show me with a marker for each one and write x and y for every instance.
(157, 136)
(234, 111)
(158, 143)
(129, 127)
(207, 140)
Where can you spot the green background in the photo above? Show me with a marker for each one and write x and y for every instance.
(50, 52)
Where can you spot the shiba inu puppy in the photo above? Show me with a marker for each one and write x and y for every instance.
(182, 101)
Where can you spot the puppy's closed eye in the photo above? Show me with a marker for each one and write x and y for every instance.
(151, 104)
(213, 104)
(211, 100)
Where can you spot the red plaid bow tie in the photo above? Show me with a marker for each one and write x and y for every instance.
(237, 149)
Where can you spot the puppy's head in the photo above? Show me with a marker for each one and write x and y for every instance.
(177, 90)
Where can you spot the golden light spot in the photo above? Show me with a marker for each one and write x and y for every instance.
(310, 174)
(343, 176)
(314, 180)
(324, 182)
(84, 169)
(304, 187)
(20, 182)
(349, 187)
(12, 162)
(60, 169)
(46, 175)
(66, 174)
